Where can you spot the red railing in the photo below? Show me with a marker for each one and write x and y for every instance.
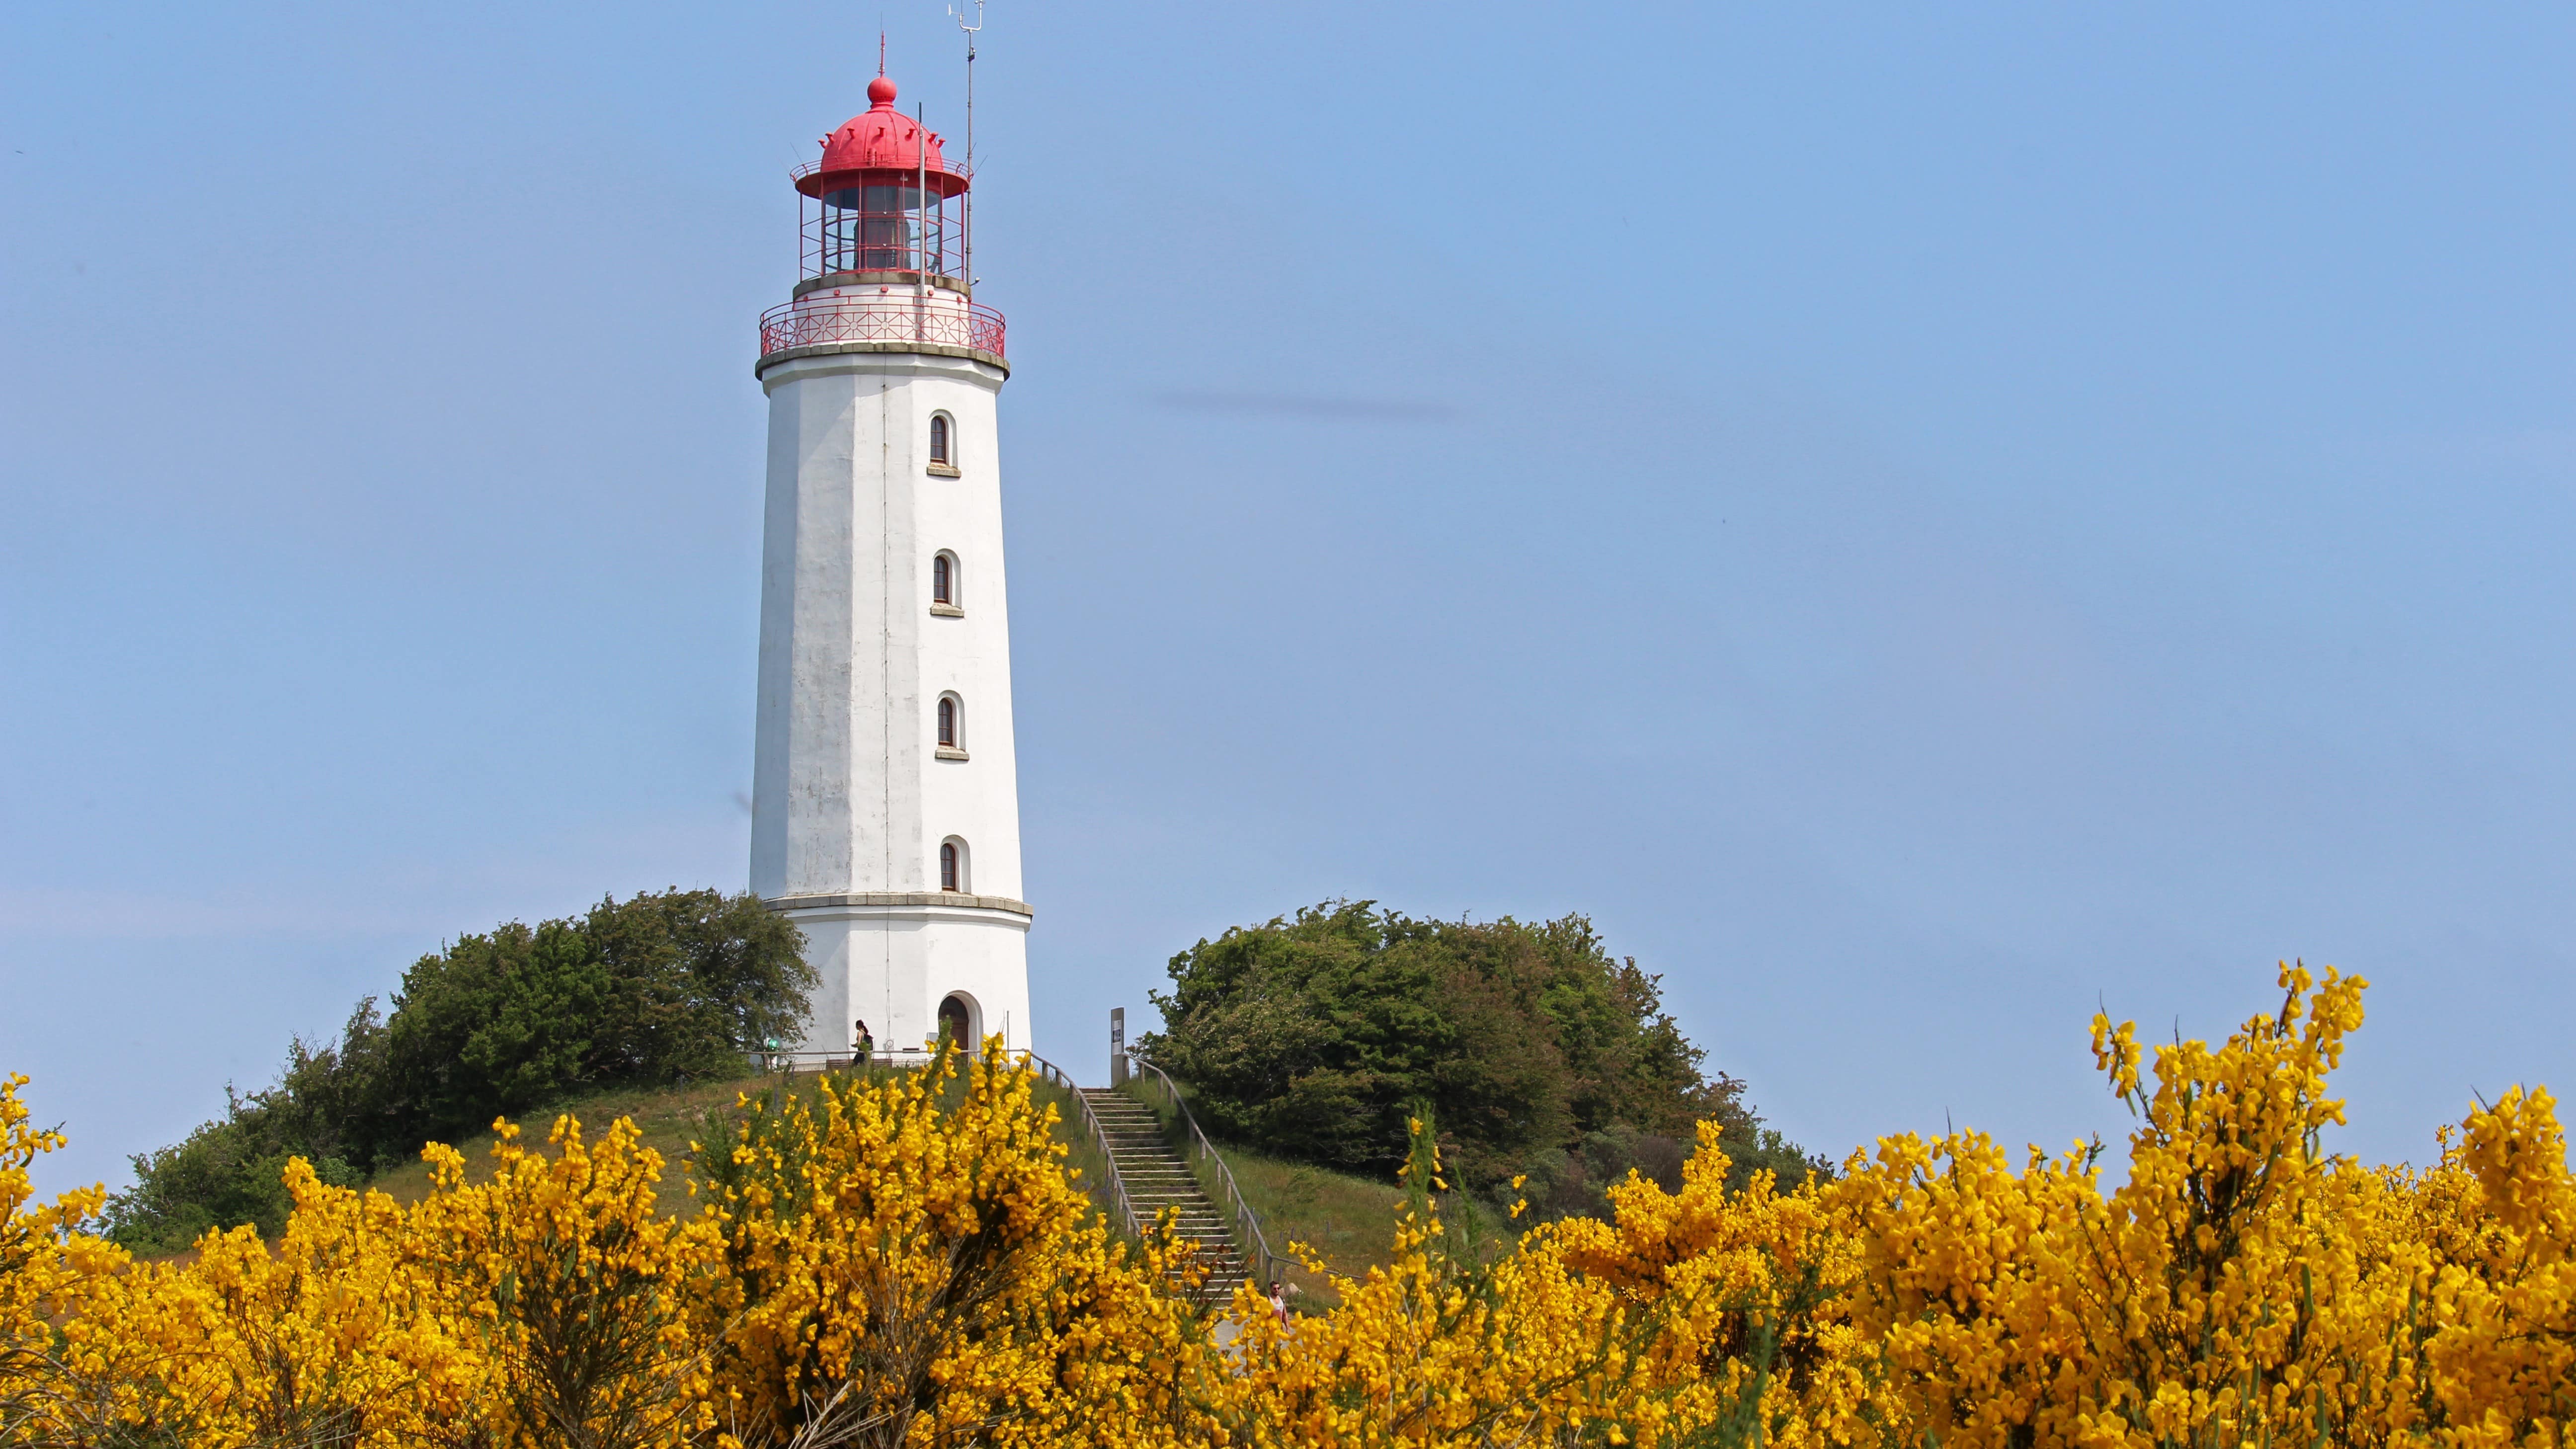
(939, 322)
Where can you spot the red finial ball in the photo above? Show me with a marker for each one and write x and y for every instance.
(881, 94)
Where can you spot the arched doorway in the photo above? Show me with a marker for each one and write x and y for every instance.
(957, 1022)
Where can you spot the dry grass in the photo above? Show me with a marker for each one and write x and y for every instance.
(1343, 1219)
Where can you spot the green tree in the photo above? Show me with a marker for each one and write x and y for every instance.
(1539, 1053)
(702, 978)
(658, 988)
(496, 1023)
(655, 988)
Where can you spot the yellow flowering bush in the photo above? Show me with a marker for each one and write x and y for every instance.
(2242, 1286)
(2196, 1304)
(900, 1267)
(1755, 1344)
(904, 1260)
(569, 1296)
(49, 1273)
(2497, 1364)
(1438, 1347)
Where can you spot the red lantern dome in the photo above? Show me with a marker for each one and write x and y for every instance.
(882, 146)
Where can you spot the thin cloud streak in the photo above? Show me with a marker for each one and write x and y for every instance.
(1343, 409)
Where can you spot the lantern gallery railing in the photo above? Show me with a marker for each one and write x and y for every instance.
(948, 166)
(937, 321)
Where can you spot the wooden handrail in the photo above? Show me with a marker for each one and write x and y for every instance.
(1247, 1223)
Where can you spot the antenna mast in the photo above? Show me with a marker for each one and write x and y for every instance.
(960, 17)
(921, 199)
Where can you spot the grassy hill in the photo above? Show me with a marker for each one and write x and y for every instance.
(663, 987)
(1343, 1218)
(668, 1119)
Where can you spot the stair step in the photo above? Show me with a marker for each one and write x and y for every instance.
(1160, 1185)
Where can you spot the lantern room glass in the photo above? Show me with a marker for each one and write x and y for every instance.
(885, 223)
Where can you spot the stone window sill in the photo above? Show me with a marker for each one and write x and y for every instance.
(949, 752)
(943, 470)
(947, 611)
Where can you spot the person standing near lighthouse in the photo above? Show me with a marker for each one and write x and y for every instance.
(885, 797)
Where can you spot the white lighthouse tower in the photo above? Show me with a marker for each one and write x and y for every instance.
(885, 799)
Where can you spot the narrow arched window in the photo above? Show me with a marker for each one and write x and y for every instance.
(943, 580)
(939, 452)
(948, 866)
(952, 727)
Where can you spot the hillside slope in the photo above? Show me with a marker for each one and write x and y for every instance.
(670, 1119)
(1343, 1218)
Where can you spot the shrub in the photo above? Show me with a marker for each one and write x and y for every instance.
(658, 988)
(1538, 1053)
(901, 1260)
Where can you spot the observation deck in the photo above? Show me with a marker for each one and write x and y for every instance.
(884, 320)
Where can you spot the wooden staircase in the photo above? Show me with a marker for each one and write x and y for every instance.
(1158, 1177)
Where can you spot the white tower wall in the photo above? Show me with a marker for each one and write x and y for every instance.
(851, 796)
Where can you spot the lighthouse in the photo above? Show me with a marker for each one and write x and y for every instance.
(885, 797)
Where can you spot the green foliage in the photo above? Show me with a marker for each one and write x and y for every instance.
(655, 989)
(227, 1172)
(1538, 1053)
(509, 1019)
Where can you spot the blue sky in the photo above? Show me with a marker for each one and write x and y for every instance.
(1920, 521)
